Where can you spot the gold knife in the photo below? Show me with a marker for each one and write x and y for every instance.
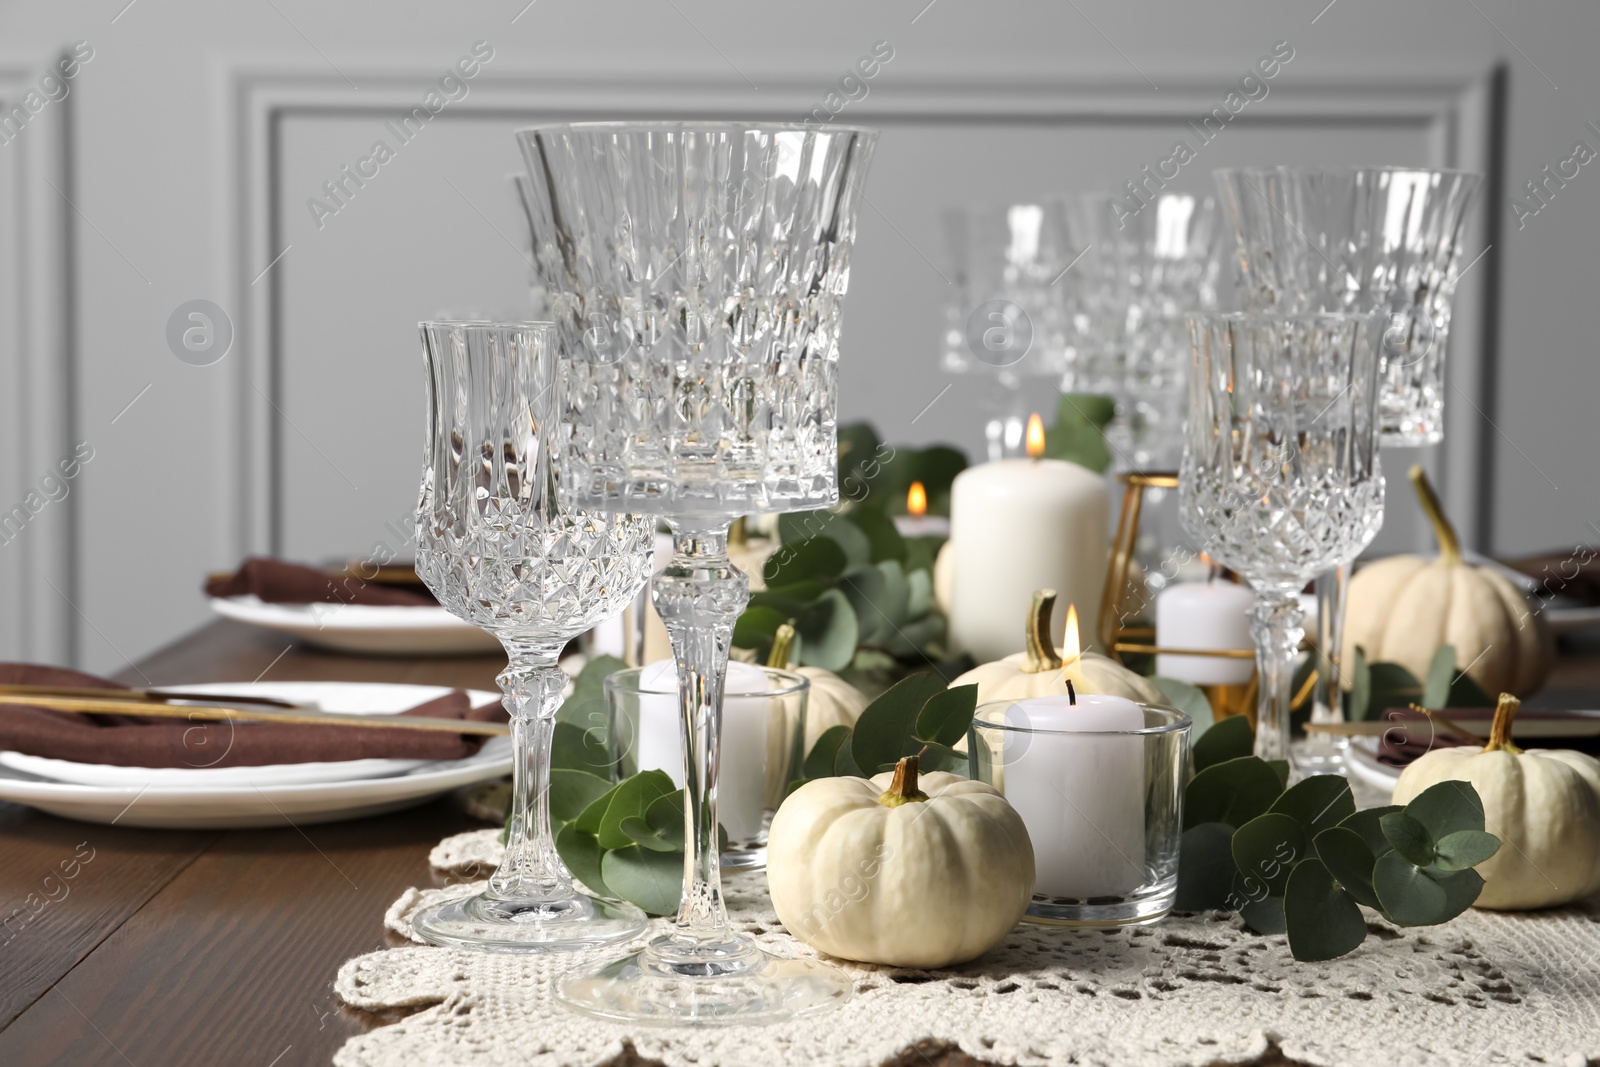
(1544, 729)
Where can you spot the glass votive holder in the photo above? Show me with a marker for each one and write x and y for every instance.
(1101, 796)
(761, 750)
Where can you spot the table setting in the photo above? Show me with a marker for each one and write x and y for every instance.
(823, 749)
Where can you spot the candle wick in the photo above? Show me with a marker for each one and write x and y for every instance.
(1072, 694)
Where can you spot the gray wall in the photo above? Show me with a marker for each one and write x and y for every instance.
(180, 163)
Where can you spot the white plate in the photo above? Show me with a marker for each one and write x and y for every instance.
(1362, 760)
(259, 796)
(369, 629)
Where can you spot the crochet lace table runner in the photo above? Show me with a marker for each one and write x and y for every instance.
(1485, 989)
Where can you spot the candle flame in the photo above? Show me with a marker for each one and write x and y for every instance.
(1071, 649)
(1035, 438)
(916, 500)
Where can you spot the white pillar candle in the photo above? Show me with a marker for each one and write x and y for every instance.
(1080, 792)
(1020, 525)
(657, 645)
(1206, 615)
(742, 774)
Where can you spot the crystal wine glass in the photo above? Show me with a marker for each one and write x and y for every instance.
(705, 267)
(1357, 239)
(1280, 475)
(501, 552)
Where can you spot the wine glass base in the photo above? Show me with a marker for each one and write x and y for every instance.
(661, 986)
(1319, 754)
(497, 924)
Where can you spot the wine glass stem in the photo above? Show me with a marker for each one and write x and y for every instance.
(699, 596)
(1328, 696)
(532, 684)
(1275, 625)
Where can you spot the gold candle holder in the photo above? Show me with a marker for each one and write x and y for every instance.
(1118, 640)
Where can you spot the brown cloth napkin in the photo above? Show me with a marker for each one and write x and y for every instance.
(1570, 573)
(141, 741)
(277, 582)
(1414, 734)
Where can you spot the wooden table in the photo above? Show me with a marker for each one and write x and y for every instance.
(220, 947)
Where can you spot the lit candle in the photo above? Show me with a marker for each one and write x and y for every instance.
(1205, 615)
(916, 522)
(742, 778)
(1018, 525)
(1079, 786)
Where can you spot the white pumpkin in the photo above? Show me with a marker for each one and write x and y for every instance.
(1543, 804)
(1042, 671)
(1403, 608)
(897, 871)
(832, 701)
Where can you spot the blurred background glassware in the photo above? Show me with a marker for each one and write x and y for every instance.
(704, 268)
(762, 746)
(1356, 239)
(497, 549)
(1006, 255)
(1135, 276)
(1280, 477)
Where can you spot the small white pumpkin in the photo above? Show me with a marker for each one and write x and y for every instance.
(1042, 671)
(1403, 608)
(832, 700)
(1543, 804)
(897, 871)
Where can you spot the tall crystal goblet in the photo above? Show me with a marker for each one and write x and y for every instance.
(500, 551)
(705, 266)
(1280, 477)
(1357, 239)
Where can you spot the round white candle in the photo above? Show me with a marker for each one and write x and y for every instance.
(1206, 615)
(742, 770)
(1016, 526)
(922, 525)
(1080, 792)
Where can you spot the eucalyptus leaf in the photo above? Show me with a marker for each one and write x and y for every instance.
(1322, 920)
(578, 749)
(1360, 686)
(818, 559)
(632, 797)
(844, 764)
(1465, 848)
(883, 537)
(1228, 739)
(1266, 848)
(944, 719)
(1280, 767)
(591, 680)
(1191, 700)
(1466, 693)
(822, 760)
(648, 837)
(886, 729)
(1205, 867)
(828, 632)
(1409, 837)
(859, 465)
(1368, 825)
(1446, 807)
(937, 757)
(1392, 686)
(1233, 792)
(1317, 802)
(572, 791)
(652, 880)
(756, 628)
(919, 589)
(1265, 916)
(864, 588)
(587, 711)
(922, 553)
(1441, 670)
(911, 639)
(581, 853)
(1412, 896)
(1350, 860)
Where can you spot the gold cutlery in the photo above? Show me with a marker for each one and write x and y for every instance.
(1527, 728)
(102, 704)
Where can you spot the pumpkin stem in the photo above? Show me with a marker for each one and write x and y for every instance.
(1041, 649)
(903, 790)
(1500, 731)
(1449, 544)
(739, 533)
(782, 645)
